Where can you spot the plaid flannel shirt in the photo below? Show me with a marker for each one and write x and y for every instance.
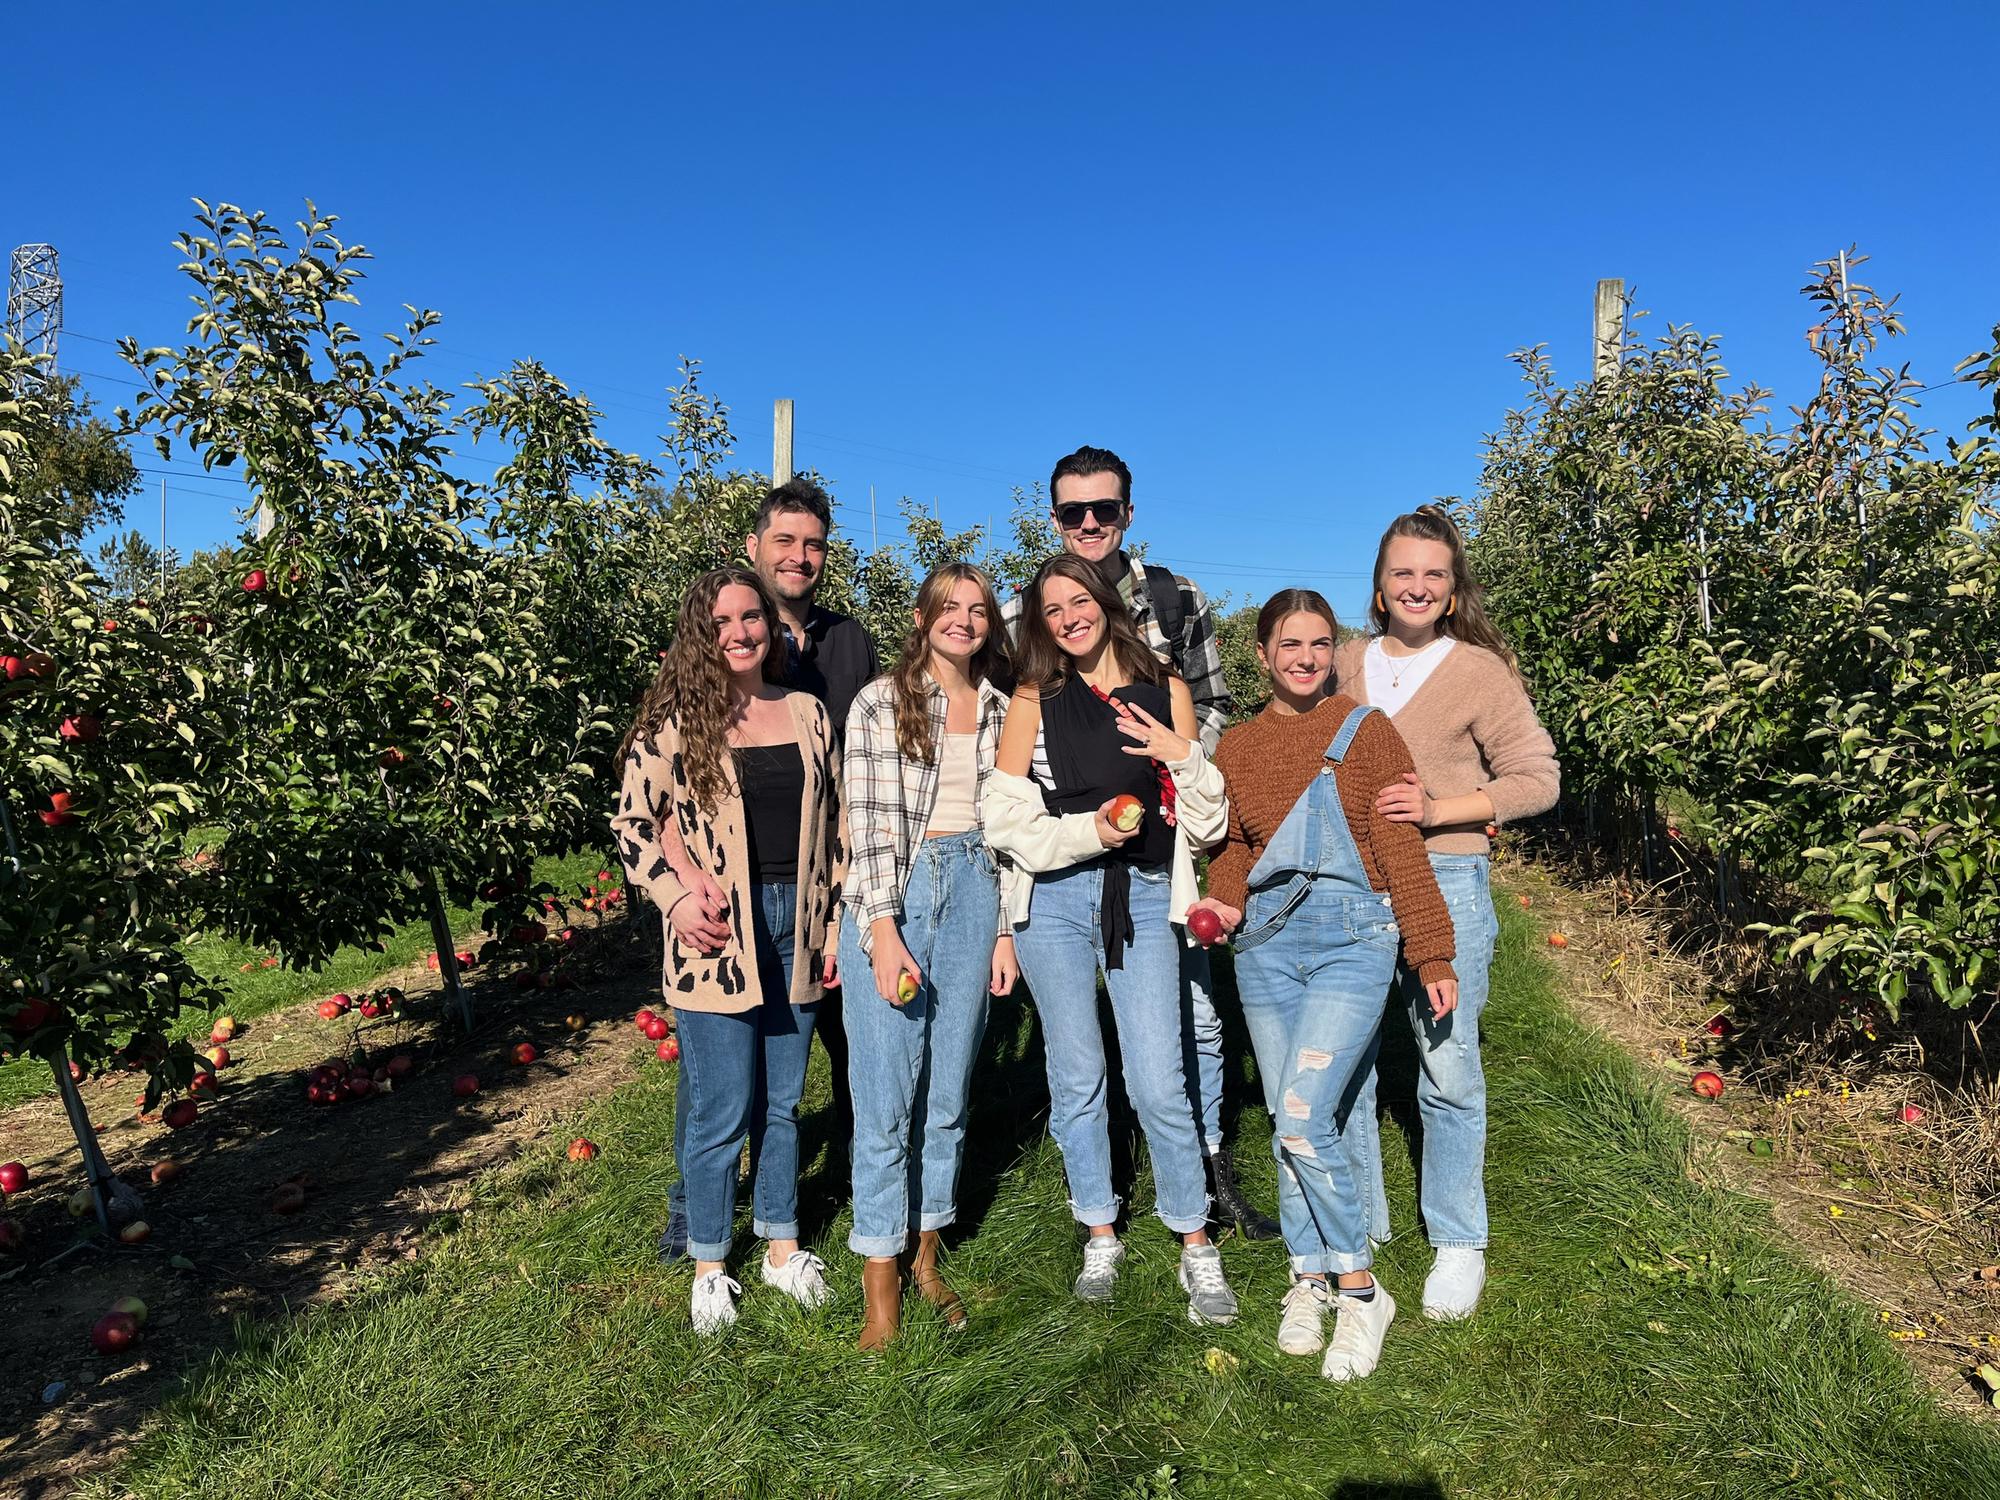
(1196, 657)
(890, 799)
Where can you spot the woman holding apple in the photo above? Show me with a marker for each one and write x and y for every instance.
(730, 820)
(1322, 888)
(924, 919)
(1438, 667)
(1102, 792)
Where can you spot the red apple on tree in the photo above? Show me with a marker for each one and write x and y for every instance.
(254, 581)
(28, 1015)
(82, 728)
(58, 814)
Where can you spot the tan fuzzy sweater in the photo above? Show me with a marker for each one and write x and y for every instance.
(1470, 728)
(1269, 763)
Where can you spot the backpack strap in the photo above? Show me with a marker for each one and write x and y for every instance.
(1165, 591)
(1349, 727)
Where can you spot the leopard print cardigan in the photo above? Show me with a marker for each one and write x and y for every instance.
(655, 789)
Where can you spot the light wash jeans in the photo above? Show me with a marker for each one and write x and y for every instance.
(744, 1073)
(1061, 952)
(1451, 1089)
(910, 1065)
(1201, 1058)
(1313, 997)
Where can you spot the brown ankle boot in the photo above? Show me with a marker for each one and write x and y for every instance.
(930, 1284)
(882, 1302)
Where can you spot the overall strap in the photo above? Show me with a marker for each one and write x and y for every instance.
(1349, 727)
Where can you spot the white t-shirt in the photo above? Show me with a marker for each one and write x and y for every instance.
(1394, 680)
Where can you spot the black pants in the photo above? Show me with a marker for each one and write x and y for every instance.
(831, 1029)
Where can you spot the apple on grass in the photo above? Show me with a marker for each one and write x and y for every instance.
(582, 1150)
(656, 1028)
(1707, 1084)
(13, 1177)
(668, 1051)
(575, 1022)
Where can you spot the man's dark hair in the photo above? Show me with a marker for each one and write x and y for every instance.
(1087, 461)
(794, 495)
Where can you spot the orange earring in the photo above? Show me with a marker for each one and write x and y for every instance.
(1380, 607)
(1451, 608)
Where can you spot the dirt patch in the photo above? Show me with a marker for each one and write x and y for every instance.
(376, 1172)
(1875, 1197)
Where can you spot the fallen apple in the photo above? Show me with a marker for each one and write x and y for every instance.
(218, 1056)
(1125, 812)
(165, 1171)
(114, 1333)
(360, 1085)
(656, 1029)
(369, 1010)
(1720, 1026)
(668, 1051)
(399, 1064)
(1909, 1114)
(328, 1011)
(180, 1114)
(1204, 926)
(642, 1018)
(78, 1203)
(132, 1305)
(574, 1022)
(1707, 1084)
(203, 1083)
(465, 1085)
(1558, 940)
(582, 1150)
(13, 1177)
(1526, 901)
(523, 1054)
(288, 1198)
(135, 1233)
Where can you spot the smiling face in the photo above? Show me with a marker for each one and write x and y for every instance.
(1090, 514)
(789, 554)
(1415, 585)
(960, 626)
(1073, 617)
(1299, 657)
(741, 631)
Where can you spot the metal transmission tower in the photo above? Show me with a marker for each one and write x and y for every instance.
(35, 302)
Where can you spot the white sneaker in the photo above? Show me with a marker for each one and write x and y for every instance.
(1452, 1289)
(1357, 1334)
(1301, 1324)
(1101, 1255)
(714, 1301)
(1209, 1297)
(802, 1278)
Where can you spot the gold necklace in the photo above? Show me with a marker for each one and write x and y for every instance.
(1396, 677)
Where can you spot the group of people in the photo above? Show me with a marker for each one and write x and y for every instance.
(1025, 793)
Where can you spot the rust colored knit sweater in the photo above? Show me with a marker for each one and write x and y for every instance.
(1271, 760)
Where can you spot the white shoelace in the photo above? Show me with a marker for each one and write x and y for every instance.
(1100, 1254)
(1349, 1337)
(1205, 1271)
(1305, 1296)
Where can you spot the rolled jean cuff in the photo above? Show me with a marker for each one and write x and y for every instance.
(877, 1244)
(1458, 1244)
(1095, 1216)
(1311, 1265)
(942, 1219)
(1357, 1260)
(708, 1249)
(787, 1229)
(1180, 1223)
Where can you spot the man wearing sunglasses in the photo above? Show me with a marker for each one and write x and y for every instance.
(1091, 504)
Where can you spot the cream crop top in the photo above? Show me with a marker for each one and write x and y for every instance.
(957, 787)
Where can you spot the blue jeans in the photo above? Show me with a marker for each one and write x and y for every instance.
(1312, 1000)
(910, 1065)
(1201, 1058)
(743, 1073)
(1451, 1090)
(1061, 952)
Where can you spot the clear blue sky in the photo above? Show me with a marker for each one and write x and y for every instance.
(1275, 256)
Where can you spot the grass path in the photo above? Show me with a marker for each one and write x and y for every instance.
(1641, 1336)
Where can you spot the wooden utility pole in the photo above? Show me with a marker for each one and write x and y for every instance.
(781, 441)
(1607, 332)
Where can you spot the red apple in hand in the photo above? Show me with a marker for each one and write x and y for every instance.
(906, 988)
(1204, 926)
(1125, 812)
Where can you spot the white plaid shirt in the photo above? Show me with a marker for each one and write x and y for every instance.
(1196, 658)
(890, 799)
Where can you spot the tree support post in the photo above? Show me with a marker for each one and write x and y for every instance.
(95, 1168)
(447, 950)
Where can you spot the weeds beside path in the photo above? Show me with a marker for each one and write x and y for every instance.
(1641, 1336)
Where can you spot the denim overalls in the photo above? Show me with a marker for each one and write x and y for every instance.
(1314, 963)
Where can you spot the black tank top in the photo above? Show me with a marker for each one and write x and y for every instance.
(773, 779)
(1087, 759)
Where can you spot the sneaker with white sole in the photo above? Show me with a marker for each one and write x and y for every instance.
(1101, 1255)
(802, 1278)
(714, 1301)
(1209, 1297)
(1451, 1291)
(1302, 1319)
(1358, 1328)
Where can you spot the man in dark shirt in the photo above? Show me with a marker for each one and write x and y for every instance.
(831, 656)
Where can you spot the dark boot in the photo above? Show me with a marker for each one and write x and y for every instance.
(1231, 1207)
(882, 1302)
(930, 1284)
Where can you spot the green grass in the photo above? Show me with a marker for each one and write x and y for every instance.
(1641, 1336)
(260, 991)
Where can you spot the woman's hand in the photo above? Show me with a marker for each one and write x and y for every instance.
(829, 970)
(1006, 969)
(1152, 738)
(1108, 833)
(889, 958)
(1444, 998)
(1405, 801)
(1230, 917)
(698, 925)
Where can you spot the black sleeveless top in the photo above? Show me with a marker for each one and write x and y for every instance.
(1087, 759)
(773, 781)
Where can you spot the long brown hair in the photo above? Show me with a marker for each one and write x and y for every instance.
(1293, 602)
(692, 685)
(1045, 665)
(911, 672)
(1467, 619)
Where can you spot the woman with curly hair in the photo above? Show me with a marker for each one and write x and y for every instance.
(730, 820)
(924, 922)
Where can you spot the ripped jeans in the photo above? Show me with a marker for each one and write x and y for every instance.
(1313, 997)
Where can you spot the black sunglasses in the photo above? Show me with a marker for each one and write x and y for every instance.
(1106, 512)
